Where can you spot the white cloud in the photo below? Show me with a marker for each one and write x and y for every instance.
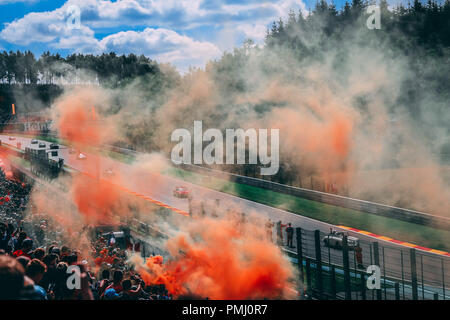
(179, 14)
(44, 27)
(163, 45)
(232, 22)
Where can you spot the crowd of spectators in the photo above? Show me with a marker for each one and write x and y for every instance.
(37, 264)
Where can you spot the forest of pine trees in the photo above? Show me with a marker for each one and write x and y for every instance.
(23, 67)
(423, 24)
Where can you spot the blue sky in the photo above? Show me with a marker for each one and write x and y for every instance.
(181, 32)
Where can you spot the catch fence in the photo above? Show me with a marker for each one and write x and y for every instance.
(330, 272)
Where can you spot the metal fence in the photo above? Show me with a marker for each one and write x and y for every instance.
(336, 273)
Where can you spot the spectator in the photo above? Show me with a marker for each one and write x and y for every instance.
(11, 278)
(72, 259)
(128, 293)
(65, 251)
(359, 256)
(103, 283)
(117, 282)
(17, 242)
(4, 236)
(269, 228)
(39, 253)
(35, 270)
(23, 261)
(50, 276)
(290, 235)
(55, 250)
(26, 249)
(58, 286)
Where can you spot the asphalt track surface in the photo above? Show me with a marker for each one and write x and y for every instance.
(436, 268)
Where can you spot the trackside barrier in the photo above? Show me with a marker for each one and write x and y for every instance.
(336, 273)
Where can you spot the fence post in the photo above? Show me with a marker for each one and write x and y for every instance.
(384, 273)
(203, 209)
(333, 282)
(319, 279)
(421, 272)
(279, 241)
(376, 260)
(190, 206)
(403, 276)
(348, 293)
(412, 254)
(397, 291)
(300, 252)
(363, 286)
(443, 279)
(308, 275)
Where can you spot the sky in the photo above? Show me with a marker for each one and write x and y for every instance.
(181, 32)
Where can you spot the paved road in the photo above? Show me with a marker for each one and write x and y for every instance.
(160, 188)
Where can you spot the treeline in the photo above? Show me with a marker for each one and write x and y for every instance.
(418, 24)
(23, 68)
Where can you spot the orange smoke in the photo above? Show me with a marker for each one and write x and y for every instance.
(78, 123)
(77, 120)
(216, 261)
(95, 199)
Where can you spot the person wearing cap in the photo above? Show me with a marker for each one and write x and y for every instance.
(110, 294)
(55, 250)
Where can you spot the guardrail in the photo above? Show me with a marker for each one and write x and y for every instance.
(335, 200)
(402, 214)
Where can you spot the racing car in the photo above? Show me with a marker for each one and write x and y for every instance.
(109, 173)
(34, 141)
(181, 192)
(81, 156)
(335, 240)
